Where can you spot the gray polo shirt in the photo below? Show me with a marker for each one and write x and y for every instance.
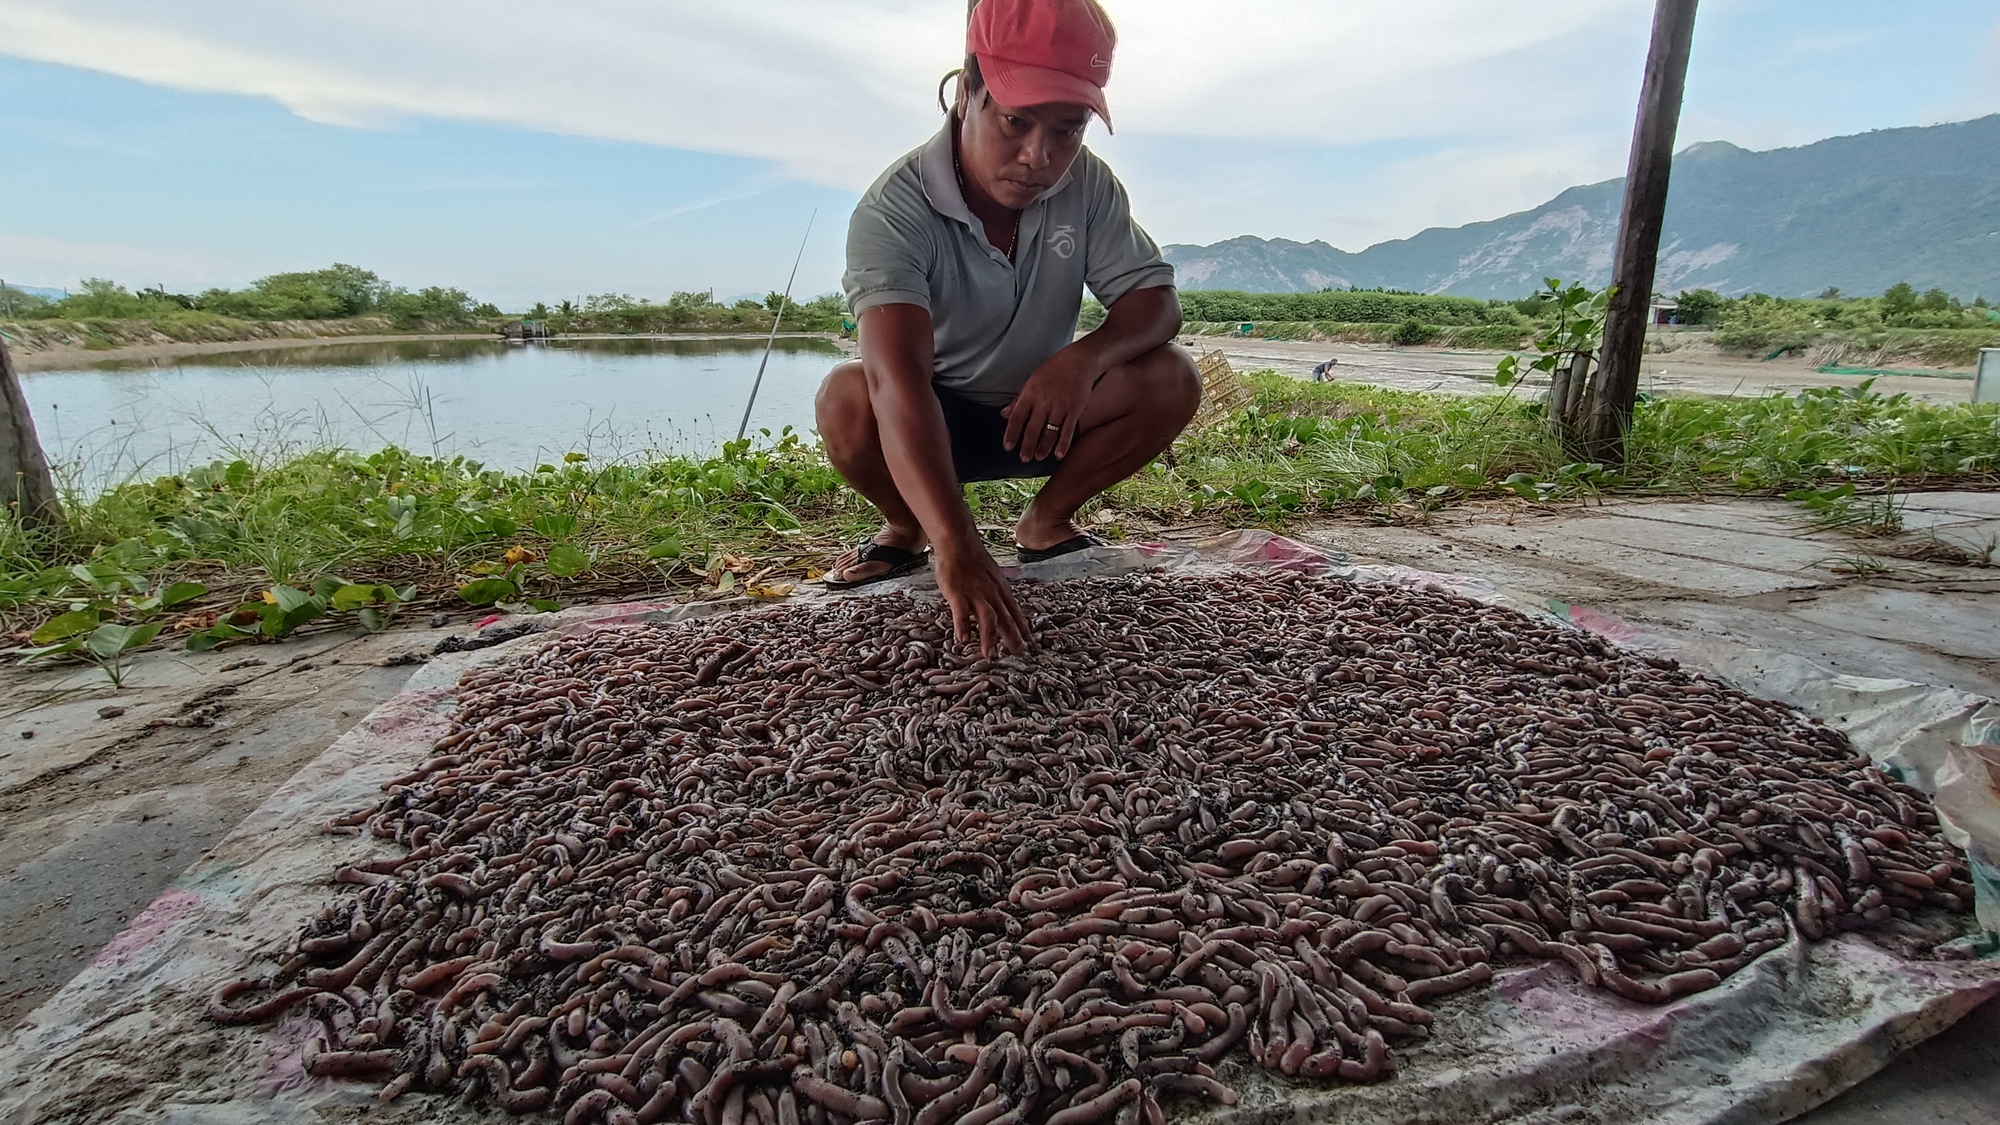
(913, 242)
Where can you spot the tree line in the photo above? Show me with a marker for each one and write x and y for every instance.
(338, 292)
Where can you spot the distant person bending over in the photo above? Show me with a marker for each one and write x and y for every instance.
(966, 264)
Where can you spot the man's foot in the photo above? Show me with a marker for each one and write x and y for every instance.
(851, 569)
(1083, 541)
(1040, 535)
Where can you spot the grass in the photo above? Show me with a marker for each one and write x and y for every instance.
(578, 529)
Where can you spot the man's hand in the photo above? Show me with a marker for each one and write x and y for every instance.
(979, 597)
(1042, 419)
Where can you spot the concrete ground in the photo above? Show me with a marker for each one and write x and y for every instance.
(106, 796)
(1693, 368)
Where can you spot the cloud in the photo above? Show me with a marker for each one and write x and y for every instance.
(1354, 204)
(828, 90)
(1350, 120)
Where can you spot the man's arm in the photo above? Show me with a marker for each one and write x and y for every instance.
(1054, 395)
(897, 358)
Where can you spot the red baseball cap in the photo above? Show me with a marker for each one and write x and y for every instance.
(1033, 52)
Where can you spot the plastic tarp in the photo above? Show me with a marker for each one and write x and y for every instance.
(125, 1040)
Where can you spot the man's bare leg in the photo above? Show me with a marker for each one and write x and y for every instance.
(1133, 414)
(854, 446)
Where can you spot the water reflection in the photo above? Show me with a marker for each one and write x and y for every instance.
(510, 405)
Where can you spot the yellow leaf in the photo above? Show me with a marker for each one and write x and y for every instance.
(772, 590)
(517, 555)
(814, 574)
(270, 597)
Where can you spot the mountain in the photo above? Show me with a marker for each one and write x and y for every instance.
(1920, 205)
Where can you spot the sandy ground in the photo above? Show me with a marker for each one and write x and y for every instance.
(1696, 369)
(105, 797)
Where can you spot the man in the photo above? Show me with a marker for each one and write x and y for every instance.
(966, 264)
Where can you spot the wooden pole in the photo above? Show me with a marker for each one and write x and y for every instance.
(1639, 223)
(24, 470)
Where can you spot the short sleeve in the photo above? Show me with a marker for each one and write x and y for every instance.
(888, 257)
(1119, 255)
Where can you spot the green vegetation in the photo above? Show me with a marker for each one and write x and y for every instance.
(1930, 329)
(1347, 306)
(347, 300)
(1933, 327)
(692, 312)
(335, 293)
(336, 536)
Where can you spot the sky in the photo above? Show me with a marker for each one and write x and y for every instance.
(535, 151)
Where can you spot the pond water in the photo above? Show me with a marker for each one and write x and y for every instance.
(509, 406)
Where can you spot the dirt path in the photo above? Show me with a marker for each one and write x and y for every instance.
(1693, 369)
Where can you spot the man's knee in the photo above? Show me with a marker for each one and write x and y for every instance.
(1173, 382)
(842, 401)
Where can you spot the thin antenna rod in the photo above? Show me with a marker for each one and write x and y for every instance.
(744, 426)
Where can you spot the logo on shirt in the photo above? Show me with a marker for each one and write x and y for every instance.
(1063, 241)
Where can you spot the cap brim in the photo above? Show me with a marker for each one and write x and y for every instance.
(1018, 84)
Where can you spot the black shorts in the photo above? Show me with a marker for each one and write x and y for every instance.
(978, 432)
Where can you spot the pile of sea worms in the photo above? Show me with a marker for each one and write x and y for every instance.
(821, 864)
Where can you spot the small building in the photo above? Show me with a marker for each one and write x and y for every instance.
(1666, 311)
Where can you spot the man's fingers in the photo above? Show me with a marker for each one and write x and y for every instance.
(1049, 437)
(1065, 439)
(1020, 638)
(1034, 433)
(1017, 418)
(957, 621)
(988, 635)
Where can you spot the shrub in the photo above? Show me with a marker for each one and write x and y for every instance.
(1414, 331)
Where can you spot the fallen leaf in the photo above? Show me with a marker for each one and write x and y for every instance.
(772, 590)
(270, 597)
(517, 555)
(738, 563)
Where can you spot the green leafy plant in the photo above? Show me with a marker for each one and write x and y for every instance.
(284, 609)
(1566, 353)
(1844, 508)
(111, 611)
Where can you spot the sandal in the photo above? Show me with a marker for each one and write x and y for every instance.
(1067, 547)
(900, 562)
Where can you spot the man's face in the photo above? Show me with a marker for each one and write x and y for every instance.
(1015, 153)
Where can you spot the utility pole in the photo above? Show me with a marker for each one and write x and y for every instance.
(24, 470)
(1609, 412)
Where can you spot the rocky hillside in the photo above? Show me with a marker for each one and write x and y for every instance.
(1861, 213)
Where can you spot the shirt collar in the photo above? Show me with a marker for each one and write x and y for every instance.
(940, 180)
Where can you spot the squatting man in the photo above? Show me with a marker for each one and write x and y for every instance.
(966, 264)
